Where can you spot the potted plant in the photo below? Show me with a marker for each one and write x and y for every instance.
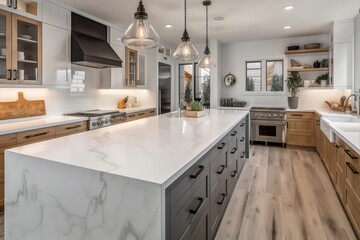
(323, 79)
(195, 109)
(293, 85)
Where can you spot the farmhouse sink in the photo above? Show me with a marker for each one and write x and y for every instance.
(348, 127)
(343, 119)
(343, 123)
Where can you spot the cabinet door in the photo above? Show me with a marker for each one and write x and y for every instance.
(26, 50)
(343, 62)
(28, 8)
(113, 78)
(56, 51)
(131, 67)
(56, 15)
(5, 47)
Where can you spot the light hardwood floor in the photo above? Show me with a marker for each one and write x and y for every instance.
(284, 193)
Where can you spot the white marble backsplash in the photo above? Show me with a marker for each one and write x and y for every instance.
(51, 201)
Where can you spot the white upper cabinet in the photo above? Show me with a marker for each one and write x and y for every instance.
(56, 55)
(341, 51)
(27, 8)
(357, 52)
(115, 37)
(56, 15)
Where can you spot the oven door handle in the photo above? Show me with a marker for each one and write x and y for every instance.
(269, 123)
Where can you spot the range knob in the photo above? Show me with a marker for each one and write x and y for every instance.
(275, 115)
(281, 115)
(94, 124)
(99, 123)
(107, 121)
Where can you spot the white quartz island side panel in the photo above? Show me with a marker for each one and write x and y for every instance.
(106, 184)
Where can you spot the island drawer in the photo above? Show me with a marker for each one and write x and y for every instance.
(242, 125)
(198, 229)
(233, 134)
(299, 115)
(220, 147)
(352, 206)
(7, 140)
(189, 178)
(218, 200)
(233, 152)
(71, 128)
(190, 207)
(35, 135)
(218, 169)
(233, 174)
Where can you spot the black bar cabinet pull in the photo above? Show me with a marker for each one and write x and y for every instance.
(234, 150)
(242, 155)
(350, 154)
(222, 145)
(36, 135)
(197, 207)
(242, 139)
(234, 133)
(9, 3)
(221, 169)
(201, 168)
(73, 127)
(297, 115)
(14, 4)
(353, 169)
(9, 74)
(222, 199)
(233, 173)
(14, 74)
(243, 124)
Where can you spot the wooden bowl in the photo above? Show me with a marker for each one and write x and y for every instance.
(292, 48)
(312, 46)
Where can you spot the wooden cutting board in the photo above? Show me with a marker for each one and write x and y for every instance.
(21, 108)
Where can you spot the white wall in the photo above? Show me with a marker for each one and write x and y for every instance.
(234, 55)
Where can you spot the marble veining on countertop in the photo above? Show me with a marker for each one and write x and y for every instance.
(153, 149)
(19, 126)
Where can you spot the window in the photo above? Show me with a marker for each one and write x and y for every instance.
(265, 76)
(253, 76)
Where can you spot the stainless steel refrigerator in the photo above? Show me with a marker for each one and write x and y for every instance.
(164, 98)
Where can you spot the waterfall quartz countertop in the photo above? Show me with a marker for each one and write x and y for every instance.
(13, 126)
(156, 150)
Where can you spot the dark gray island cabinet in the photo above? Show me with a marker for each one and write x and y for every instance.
(159, 178)
(197, 200)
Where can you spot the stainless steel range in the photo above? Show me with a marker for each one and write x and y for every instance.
(101, 118)
(268, 124)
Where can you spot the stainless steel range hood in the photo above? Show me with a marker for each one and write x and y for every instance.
(89, 46)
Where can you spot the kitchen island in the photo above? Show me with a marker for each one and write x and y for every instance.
(113, 183)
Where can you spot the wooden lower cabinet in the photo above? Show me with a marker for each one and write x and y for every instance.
(139, 115)
(300, 129)
(330, 158)
(27, 137)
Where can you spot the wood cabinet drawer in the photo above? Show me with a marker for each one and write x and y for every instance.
(141, 115)
(299, 115)
(71, 128)
(131, 117)
(218, 200)
(352, 205)
(188, 179)
(190, 206)
(220, 147)
(340, 183)
(35, 135)
(300, 139)
(8, 140)
(301, 125)
(218, 169)
(151, 113)
(353, 178)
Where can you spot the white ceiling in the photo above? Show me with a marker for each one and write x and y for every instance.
(245, 20)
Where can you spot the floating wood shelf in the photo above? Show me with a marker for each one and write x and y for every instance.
(308, 70)
(302, 51)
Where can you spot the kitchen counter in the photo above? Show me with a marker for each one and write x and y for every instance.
(135, 109)
(19, 126)
(108, 183)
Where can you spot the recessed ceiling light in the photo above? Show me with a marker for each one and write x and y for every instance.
(287, 27)
(168, 26)
(289, 7)
(218, 18)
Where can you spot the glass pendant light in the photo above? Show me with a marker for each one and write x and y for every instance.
(140, 33)
(186, 51)
(207, 61)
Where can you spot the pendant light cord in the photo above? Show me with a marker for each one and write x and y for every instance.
(185, 12)
(207, 27)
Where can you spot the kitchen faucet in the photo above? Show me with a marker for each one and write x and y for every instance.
(355, 95)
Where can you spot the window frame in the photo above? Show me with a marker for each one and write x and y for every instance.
(283, 74)
(263, 91)
(261, 74)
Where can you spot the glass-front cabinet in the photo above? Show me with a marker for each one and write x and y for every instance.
(131, 68)
(20, 49)
(27, 8)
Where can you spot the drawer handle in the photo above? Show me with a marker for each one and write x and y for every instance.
(222, 145)
(9, 3)
(152, 112)
(197, 207)
(141, 114)
(242, 155)
(234, 150)
(15, 4)
(9, 74)
(234, 133)
(353, 169)
(221, 169)
(130, 116)
(194, 176)
(297, 115)
(222, 199)
(243, 124)
(233, 174)
(73, 127)
(242, 139)
(36, 135)
(337, 146)
(350, 154)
